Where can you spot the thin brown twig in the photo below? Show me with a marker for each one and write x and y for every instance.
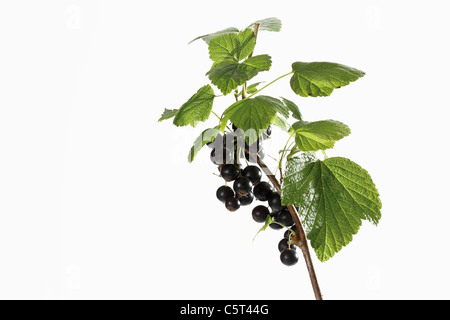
(300, 236)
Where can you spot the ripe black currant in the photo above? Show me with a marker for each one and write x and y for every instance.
(221, 156)
(275, 226)
(230, 172)
(242, 186)
(224, 193)
(232, 204)
(275, 201)
(253, 173)
(289, 257)
(284, 244)
(260, 213)
(247, 199)
(262, 191)
(284, 217)
(288, 232)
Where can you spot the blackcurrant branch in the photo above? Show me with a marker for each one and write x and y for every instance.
(299, 238)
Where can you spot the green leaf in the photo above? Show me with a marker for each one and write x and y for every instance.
(228, 75)
(268, 24)
(321, 78)
(168, 114)
(197, 108)
(232, 47)
(319, 135)
(293, 108)
(205, 137)
(208, 37)
(333, 196)
(253, 115)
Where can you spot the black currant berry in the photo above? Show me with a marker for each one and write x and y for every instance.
(247, 199)
(242, 186)
(253, 173)
(284, 217)
(232, 204)
(260, 213)
(262, 191)
(275, 201)
(275, 226)
(288, 232)
(289, 257)
(222, 156)
(284, 244)
(274, 214)
(230, 172)
(224, 193)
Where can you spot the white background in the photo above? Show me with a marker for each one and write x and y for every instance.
(97, 200)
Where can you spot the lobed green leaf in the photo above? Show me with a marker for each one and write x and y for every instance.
(333, 197)
(232, 47)
(321, 78)
(228, 75)
(254, 115)
(197, 108)
(319, 135)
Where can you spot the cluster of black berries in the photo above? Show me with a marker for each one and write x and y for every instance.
(247, 186)
(232, 147)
